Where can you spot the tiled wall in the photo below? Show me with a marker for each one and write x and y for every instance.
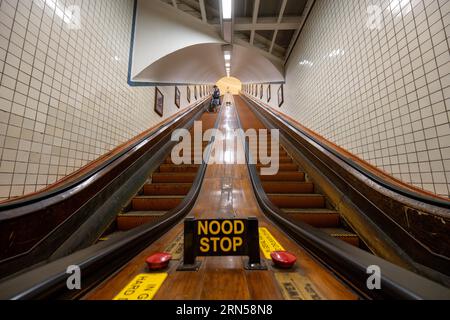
(64, 97)
(382, 91)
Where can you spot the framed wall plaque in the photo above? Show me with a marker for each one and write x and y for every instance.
(159, 102)
(280, 96)
(177, 97)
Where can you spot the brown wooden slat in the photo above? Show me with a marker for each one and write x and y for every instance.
(167, 189)
(288, 187)
(285, 176)
(178, 168)
(130, 221)
(318, 218)
(283, 167)
(146, 203)
(298, 200)
(173, 178)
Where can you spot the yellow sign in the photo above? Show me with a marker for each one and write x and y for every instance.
(143, 287)
(176, 247)
(297, 287)
(268, 243)
(221, 237)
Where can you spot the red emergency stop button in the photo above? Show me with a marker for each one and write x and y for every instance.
(283, 259)
(159, 261)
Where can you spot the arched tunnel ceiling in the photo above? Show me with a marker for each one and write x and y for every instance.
(169, 48)
(249, 66)
(204, 63)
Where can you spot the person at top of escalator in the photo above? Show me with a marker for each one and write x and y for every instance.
(215, 103)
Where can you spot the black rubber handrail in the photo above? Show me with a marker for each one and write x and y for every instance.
(76, 201)
(99, 261)
(379, 207)
(348, 262)
(379, 180)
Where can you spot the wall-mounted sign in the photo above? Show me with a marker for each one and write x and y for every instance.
(223, 237)
(280, 96)
(177, 97)
(188, 94)
(159, 102)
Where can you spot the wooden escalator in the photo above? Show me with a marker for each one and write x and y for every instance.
(164, 190)
(292, 191)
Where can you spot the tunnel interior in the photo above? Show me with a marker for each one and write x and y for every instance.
(224, 150)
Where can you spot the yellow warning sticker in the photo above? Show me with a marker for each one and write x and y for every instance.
(297, 287)
(143, 287)
(268, 243)
(176, 247)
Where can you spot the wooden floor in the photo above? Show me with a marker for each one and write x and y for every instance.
(227, 193)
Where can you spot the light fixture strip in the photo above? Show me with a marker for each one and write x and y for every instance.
(226, 9)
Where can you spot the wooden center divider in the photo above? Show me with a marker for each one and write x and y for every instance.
(225, 277)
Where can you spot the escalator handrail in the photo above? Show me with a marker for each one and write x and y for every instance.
(380, 181)
(348, 262)
(99, 261)
(60, 191)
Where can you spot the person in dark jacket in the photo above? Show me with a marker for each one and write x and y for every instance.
(215, 103)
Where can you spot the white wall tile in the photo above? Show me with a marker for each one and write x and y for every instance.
(360, 86)
(64, 97)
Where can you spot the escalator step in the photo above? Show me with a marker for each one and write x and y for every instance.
(280, 153)
(282, 167)
(179, 168)
(298, 200)
(131, 220)
(190, 162)
(163, 177)
(285, 159)
(156, 203)
(319, 218)
(285, 176)
(288, 187)
(343, 235)
(167, 189)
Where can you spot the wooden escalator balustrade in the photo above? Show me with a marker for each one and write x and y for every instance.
(164, 190)
(293, 193)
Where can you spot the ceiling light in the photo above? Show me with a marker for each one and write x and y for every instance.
(337, 52)
(306, 62)
(226, 9)
(227, 56)
(227, 64)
